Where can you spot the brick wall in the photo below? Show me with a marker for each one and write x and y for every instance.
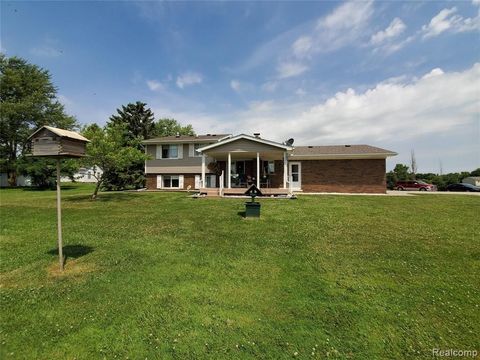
(151, 181)
(351, 176)
(276, 179)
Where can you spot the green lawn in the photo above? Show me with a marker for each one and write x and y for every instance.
(162, 275)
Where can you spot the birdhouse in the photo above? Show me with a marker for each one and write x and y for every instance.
(53, 142)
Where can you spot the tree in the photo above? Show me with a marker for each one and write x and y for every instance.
(106, 150)
(27, 101)
(413, 163)
(138, 120)
(138, 123)
(171, 127)
(475, 172)
(401, 172)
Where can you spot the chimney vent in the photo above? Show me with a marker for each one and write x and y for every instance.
(177, 134)
(257, 135)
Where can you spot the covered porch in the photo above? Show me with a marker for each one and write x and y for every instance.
(244, 160)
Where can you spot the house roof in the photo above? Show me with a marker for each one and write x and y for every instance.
(62, 133)
(186, 138)
(247, 137)
(332, 151)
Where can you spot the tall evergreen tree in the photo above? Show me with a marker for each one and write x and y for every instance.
(27, 101)
(138, 119)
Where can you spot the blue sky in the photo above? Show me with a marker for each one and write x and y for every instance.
(399, 75)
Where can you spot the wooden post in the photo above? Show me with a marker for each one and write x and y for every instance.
(203, 171)
(229, 171)
(258, 170)
(59, 218)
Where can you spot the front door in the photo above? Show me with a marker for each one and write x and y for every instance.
(295, 171)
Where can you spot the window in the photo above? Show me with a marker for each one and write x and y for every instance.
(195, 147)
(268, 167)
(171, 181)
(169, 151)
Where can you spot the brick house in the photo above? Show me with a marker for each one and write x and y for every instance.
(203, 162)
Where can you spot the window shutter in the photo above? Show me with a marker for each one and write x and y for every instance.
(159, 152)
(197, 181)
(180, 181)
(159, 180)
(191, 150)
(180, 151)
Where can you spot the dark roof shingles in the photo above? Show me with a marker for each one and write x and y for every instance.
(339, 150)
(187, 138)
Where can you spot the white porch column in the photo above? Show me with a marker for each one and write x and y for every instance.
(229, 171)
(203, 171)
(258, 170)
(285, 169)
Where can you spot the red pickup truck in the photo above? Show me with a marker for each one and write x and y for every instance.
(414, 185)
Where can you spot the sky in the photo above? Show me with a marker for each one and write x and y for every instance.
(399, 75)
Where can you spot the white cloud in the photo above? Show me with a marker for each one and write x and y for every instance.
(392, 110)
(286, 70)
(395, 28)
(155, 85)
(344, 26)
(302, 46)
(433, 73)
(391, 47)
(449, 20)
(189, 78)
(235, 85)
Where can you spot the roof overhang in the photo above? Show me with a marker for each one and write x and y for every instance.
(193, 140)
(341, 156)
(62, 133)
(246, 137)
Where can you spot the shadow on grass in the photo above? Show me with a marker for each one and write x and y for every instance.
(72, 251)
(103, 197)
(242, 214)
(34, 188)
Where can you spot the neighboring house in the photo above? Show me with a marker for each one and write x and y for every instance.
(472, 180)
(203, 162)
(85, 175)
(21, 180)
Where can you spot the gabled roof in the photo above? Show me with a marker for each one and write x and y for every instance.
(62, 133)
(333, 151)
(186, 138)
(247, 137)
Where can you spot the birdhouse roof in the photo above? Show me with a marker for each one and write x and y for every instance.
(62, 133)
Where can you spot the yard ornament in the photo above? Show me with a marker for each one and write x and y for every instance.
(57, 143)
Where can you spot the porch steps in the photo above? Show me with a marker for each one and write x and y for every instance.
(213, 192)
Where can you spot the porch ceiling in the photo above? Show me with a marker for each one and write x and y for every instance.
(245, 155)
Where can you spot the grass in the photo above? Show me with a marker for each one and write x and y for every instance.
(162, 275)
